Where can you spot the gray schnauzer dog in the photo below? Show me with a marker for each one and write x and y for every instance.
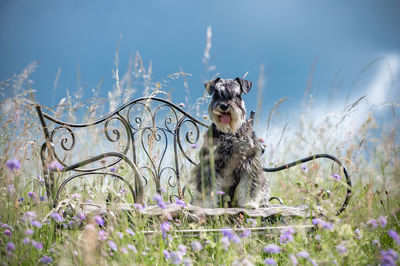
(230, 167)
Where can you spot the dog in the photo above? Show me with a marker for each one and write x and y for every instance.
(230, 169)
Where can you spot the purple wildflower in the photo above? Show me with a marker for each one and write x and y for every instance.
(389, 257)
(321, 224)
(29, 215)
(304, 168)
(57, 217)
(393, 234)
(162, 205)
(11, 189)
(160, 202)
(220, 192)
(293, 259)
(28, 232)
(252, 222)
(36, 224)
(55, 165)
(373, 223)
(42, 198)
(21, 199)
(196, 246)
(7, 232)
(357, 234)
(102, 235)
(303, 254)
(165, 227)
(231, 235)
(182, 249)
(112, 245)
(246, 233)
(46, 260)
(26, 241)
(382, 221)
(138, 206)
(120, 235)
(336, 176)
(163, 190)
(181, 203)
(225, 242)
(124, 250)
(187, 261)
(81, 216)
(10, 246)
(376, 243)
(99, 220)
(132, 247)
(272, 249)
(286, 236)
(13, 164)
(341, 249)
(31, 194)
(166, 254)
(194, 146)
(113, 169)
(270, 261)
(37, 245)
(176, 257)
(129, 231)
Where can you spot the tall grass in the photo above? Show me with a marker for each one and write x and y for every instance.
(367, 233)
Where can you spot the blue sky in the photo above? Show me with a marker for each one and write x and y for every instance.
(342, 37)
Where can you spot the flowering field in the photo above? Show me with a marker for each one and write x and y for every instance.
(367, 233)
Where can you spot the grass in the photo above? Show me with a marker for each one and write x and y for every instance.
(363, 235)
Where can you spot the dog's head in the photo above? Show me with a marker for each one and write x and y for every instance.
(227, 108)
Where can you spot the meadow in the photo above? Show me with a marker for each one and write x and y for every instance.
(367, 233)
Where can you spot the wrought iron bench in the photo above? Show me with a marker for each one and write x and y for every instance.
(151, 141)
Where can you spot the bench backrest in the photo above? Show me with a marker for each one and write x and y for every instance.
(150, 136)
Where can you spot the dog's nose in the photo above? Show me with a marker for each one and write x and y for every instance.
(223, 106)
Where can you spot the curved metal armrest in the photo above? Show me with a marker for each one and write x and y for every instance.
(313, 157)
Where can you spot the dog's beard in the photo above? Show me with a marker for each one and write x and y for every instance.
(227, 122)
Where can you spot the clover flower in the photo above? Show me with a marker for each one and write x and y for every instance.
(55, 165)
(393, 234)
(46, 260)
(57, 217)
(286, 236)
(99, 220)
(272, 249)
(270, 261)
(13, 164)
(29, 215)
(196, 246)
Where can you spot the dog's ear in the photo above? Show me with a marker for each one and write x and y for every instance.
(210, 85)
(245, 85)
